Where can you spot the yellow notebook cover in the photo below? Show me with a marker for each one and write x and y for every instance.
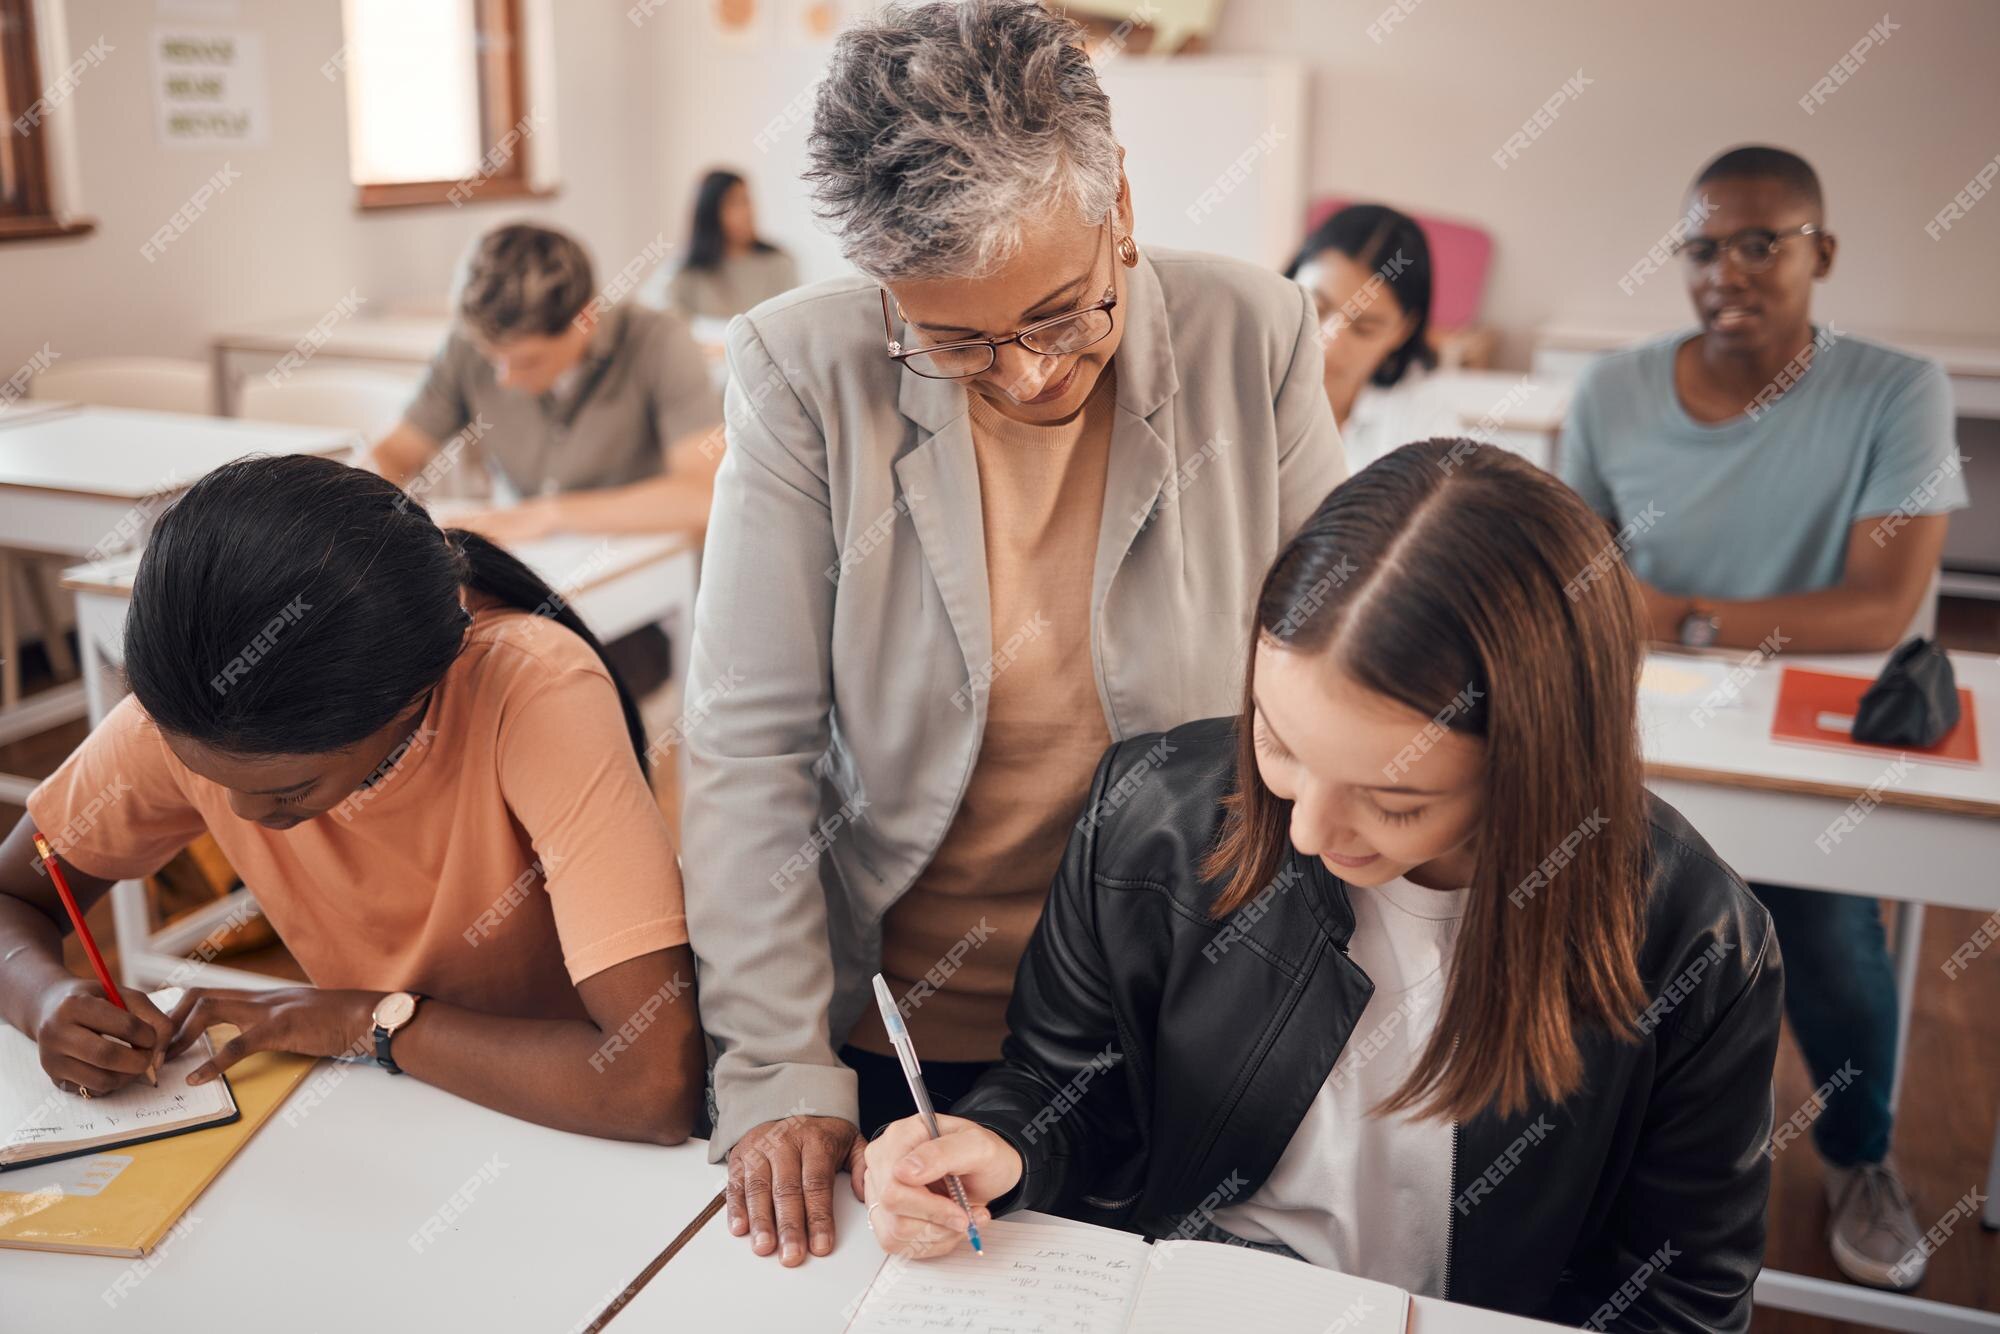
(123, 1201)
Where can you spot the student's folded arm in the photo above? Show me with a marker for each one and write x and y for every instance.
(1688, 1227)
(1311, 461)
(631, 1072)
(1061, 1096)
(760, 696)
(1886, 577)
(570, 777)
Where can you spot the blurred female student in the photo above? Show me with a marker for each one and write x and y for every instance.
(416, 756)
(728, 268)
(1369, 271)
(1340, 965)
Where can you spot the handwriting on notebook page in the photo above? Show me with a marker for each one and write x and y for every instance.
(1035, 1278)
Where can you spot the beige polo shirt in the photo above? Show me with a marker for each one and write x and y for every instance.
(641, 384)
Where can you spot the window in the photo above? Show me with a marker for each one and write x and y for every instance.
(27, 198)
(438, 110)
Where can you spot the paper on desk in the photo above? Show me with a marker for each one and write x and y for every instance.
(1677, 680)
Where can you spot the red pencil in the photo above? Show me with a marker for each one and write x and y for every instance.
(76, 920)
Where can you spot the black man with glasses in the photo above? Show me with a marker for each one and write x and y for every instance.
(1782, 482)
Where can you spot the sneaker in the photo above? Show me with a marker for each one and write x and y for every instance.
(1872, 1231)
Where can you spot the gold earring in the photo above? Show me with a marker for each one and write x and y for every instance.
(1128, 252)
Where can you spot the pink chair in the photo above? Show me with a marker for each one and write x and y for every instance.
(1460, 256)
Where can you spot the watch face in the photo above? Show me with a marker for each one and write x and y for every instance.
(1698, 631)
(394, 1010)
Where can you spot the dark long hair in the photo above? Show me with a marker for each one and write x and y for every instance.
(1447, 565)
(1392, 244)
(706, 242)
(294, 605)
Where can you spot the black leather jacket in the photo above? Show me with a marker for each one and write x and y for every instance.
(1159, 1061)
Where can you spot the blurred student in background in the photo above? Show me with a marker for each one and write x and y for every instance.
(591, 417)
(1368, 268)
(1711, 427)
(729, 268)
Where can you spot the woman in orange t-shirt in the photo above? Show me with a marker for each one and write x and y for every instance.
(416, 756)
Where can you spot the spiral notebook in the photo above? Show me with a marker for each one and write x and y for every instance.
(1050, 1278)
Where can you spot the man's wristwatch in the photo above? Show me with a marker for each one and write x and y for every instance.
(392, 1012)
(1698, 629)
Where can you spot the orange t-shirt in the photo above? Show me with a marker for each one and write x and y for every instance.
(510, 851)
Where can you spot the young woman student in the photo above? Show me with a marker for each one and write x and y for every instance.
(413, 752)
(1368, 269)
(1401, 971)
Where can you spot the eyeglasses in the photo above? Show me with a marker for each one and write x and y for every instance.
(1754, 249)
(1057, 336)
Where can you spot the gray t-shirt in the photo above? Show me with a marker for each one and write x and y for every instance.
(641, 385)
(1760, 506)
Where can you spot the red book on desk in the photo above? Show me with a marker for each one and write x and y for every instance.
(1808, 701)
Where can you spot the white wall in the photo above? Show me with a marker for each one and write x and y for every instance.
(1411, 120)
(1414, 119)
(285, 239)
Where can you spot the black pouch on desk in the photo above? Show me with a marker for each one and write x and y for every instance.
(1914, 702)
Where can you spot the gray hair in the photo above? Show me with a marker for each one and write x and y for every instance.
(522, 280)
(941, 128)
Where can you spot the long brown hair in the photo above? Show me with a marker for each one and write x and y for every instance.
(1450, 564)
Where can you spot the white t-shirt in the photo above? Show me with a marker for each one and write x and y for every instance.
(1386, 419)
(1363, 1194)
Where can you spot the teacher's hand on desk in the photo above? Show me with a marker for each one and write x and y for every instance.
(910, 1206)
(780, 1187)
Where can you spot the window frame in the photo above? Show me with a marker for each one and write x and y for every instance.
(503, 96)
(36, 216)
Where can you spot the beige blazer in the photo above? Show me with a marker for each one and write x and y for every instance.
(836, 693)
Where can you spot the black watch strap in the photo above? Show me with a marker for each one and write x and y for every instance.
(384, 1040)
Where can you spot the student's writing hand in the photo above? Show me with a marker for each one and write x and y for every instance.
(780, 1188)
(305, 1020)
(910, 1205)
(87, 1043)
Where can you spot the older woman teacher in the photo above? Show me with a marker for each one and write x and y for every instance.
(986, 509)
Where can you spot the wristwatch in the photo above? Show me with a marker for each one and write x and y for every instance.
(392, 1012)
(1698, 629)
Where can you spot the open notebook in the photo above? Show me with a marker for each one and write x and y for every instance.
(40, 1123)
(1047, 1278)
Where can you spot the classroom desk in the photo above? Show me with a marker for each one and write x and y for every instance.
(77, 481)
(616, 584)
(1521, 413)
(398, 339)
(310, 1227)
(1765, 805)
(717, 1283)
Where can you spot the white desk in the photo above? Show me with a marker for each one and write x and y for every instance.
(616, 584)
(78, 482)
(310, 1227)
(718, 1283)
(1765, 805)
(1521, 413)
(390, 339)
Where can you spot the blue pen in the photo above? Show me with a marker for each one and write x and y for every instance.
(906, 1052)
